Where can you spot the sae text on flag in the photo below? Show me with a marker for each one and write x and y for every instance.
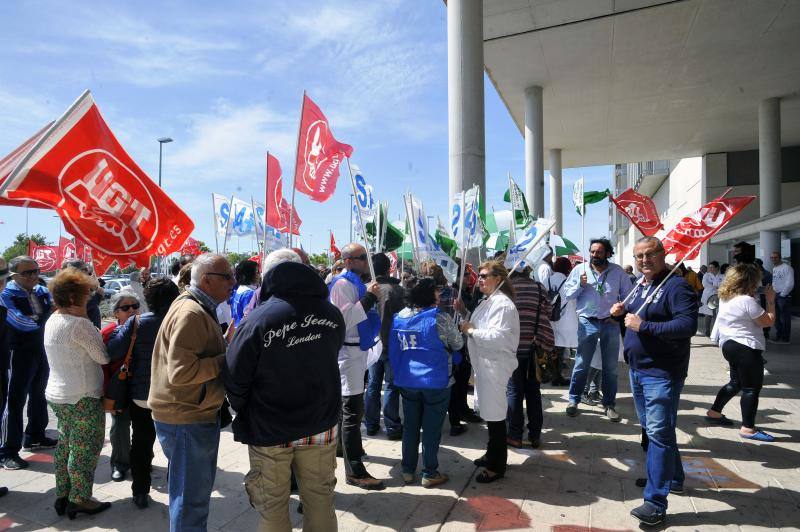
(79, 169)
(577, 196)
(457, 219)
(473, 232)
(422, 240)
(530, 246)
(222, 212)
(243, 221)
(365, 198)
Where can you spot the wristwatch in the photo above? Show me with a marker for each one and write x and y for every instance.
(470, 331)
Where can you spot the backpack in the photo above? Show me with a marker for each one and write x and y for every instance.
(555, 298)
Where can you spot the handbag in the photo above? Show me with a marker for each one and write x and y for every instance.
(117, 392)
(544, 360)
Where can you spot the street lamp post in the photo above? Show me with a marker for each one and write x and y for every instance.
(161, 142)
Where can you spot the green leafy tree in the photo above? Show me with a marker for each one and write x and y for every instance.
(318, 259)
(20, 245)
(236, 258)
(203, 247)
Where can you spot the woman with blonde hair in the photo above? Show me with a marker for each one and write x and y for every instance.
(75, 353)
(492, 338)
(739, 332)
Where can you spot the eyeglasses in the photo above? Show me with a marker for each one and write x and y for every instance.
(648, 255)
(363, 256)
(226, 276)
(485, 275)
(126, 308)
(29, 273)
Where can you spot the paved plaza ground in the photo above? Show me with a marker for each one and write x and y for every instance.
(581, 479)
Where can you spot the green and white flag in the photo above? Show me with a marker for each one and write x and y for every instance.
(447, 244)
(519, 206)
(577, 196)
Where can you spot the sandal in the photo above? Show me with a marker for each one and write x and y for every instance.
(486, 478)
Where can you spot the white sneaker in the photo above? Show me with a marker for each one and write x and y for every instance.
(612, 414)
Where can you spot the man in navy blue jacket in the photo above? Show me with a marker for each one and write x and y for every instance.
(660, 321)
(282, 379)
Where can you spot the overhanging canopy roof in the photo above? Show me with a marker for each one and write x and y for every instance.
(638, 80)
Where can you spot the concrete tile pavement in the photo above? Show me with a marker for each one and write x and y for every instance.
(581, 479)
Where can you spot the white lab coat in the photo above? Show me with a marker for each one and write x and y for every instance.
(565, 329)
(711, 284)
(493, 352)
(352, 360)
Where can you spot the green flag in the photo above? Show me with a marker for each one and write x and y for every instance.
(515, 196)
(593, 196)
(448, 245)
(392, 236)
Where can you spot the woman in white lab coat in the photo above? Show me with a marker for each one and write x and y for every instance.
(493, 337)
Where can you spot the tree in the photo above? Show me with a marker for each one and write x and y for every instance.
(203, 247)
(236, 258)
(20, 245)
(318, 259)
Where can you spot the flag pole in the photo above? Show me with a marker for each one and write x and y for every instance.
(214, 219)
(227, 227)
(464, 244)
(255, 219)
(290, 237)
(536, 240)
(361, 223)
(266, 209)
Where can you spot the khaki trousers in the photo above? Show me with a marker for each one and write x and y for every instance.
(268, 484)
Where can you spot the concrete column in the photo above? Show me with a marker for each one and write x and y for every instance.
(555, 190)
(465, 95)
(534, 150)
(769, 170)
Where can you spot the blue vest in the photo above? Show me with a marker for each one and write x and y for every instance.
(417, 354)
(368, 330)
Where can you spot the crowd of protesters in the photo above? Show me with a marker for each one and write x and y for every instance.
(214, 338)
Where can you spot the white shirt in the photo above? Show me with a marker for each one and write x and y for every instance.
(543, 272)
(735, 321)
(75, 351)
(711, 282)
(565, 330)
(783, 279)
(352, 360)
(493, 352)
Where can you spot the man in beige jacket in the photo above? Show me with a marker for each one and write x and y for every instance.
(186, 391)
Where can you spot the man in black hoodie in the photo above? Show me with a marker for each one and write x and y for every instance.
(282, 379)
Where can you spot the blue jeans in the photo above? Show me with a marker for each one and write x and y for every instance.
(192, 453)
(783, 318)
(656, 400)
(524, 385)
(378, 372)
(588, 333)
(425, 409)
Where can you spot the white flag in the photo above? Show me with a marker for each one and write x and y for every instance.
(472, 223)
(274, 239)
(577, 195)
(243, 221)
(365, 197)
(421, 235)
(222, 211)
(457, 219)
(531, 244)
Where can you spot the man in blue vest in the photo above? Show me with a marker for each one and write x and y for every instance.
(357, 304)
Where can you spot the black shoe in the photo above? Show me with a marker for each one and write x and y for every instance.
(572, 410)
(472, 417)
(394, 436)
(117, 474)
(535, 443)
(486, 478)
(75, 509)
(641, 482)
(44, 443)
(456, 430)
(560, 381)
(481, 462)
(61, 505)
(367, 482)
(13, 463)
(300, 507)
(372, 432)
(141, 501)
(648, 514)
(4, 492)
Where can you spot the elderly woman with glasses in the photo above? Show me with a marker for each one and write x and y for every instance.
(492, 340)
(124, 304)
(75, 352)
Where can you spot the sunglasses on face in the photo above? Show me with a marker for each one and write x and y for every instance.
(226, 276)
(485, 275)
(126, 308)
(29, 273)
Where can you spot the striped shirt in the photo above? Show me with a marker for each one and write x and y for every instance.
(529, 295)
(323, 438)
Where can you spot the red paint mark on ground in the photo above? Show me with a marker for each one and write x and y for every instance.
(40, 457)
(498, 513)
(708, 473)
(6, 523)
(578, 528)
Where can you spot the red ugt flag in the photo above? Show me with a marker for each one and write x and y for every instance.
(685, 239)
(640, 210)
(319, 154)
(279, 211)
(10, 161)
(79, 169)
(335, 250)
(46, 257)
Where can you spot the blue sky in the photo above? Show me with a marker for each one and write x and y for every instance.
(225, 80)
